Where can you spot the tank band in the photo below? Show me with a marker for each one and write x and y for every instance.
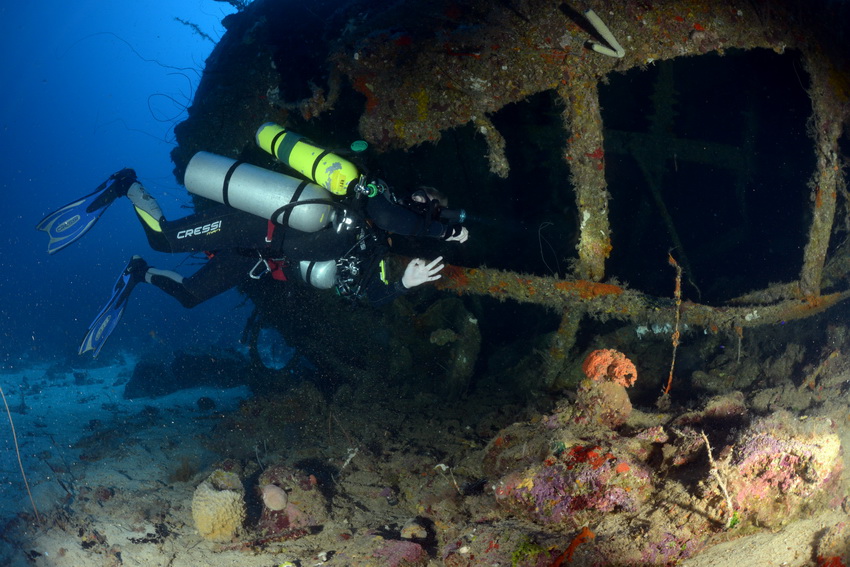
(225, 188)
(316, 163)
(287, 208)
(286, 144)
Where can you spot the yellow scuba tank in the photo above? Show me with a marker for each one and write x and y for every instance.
(325, 168)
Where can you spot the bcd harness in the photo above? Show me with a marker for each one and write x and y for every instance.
(353, 270)
(268, 265)
(365, 257)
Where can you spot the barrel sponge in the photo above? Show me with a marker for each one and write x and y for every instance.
(218, 506)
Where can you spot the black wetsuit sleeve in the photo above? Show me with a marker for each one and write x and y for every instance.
(378, 293)
(397, 219)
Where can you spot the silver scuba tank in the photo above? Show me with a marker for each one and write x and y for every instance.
(259, 191)
(319, 274)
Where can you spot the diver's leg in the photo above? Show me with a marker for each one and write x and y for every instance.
(150, 215)
(219, 274)
(212, 229)
(171, 283)
(222, 272)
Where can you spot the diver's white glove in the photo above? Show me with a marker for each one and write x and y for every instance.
(418, 272)
(461, 236)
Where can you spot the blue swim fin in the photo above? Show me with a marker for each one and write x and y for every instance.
(108, 318)
(68, 224)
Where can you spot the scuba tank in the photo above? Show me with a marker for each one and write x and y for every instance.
(350, 273)
(321, 275)
(280, 198)
(325, 168)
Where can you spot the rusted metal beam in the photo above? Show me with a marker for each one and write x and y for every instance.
(586, 157)
(830, 109)
(608, 301)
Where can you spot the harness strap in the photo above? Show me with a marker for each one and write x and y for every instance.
(273, 266)
(286, 209)
(276, 268)
(225, 187)
(266, 265)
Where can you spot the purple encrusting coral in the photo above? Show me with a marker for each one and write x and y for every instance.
(777, 455)
(780, 460)
(550, 494)
(655, 434)
(582, 479)
(755, 447)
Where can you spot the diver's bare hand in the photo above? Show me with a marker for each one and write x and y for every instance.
(418, 272)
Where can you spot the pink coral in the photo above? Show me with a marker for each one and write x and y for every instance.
(401, 554)
(291, 501)
(274, 497)
(780, 466)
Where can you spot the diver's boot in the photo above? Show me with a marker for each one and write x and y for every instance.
(121, 181)
(137, 269)
(116, 186)
(146, 207)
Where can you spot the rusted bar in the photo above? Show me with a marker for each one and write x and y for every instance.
(586, 157)
(605, 301)
(828, 113)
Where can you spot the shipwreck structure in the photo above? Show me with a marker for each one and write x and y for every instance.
(508, 106)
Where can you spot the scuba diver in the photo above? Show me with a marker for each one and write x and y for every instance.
(267, 223)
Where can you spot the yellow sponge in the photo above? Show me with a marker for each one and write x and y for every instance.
(218, 506)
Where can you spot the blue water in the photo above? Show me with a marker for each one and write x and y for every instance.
(91, 87)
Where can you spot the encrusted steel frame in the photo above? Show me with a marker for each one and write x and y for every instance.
(529, 46)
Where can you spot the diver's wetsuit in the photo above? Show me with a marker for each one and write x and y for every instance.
(235, 242)
(347, 254)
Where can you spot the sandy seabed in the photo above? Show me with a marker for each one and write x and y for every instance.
(113, 480)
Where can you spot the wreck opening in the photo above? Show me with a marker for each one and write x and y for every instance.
(704, 159)
(525, 222)
(541, 198)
